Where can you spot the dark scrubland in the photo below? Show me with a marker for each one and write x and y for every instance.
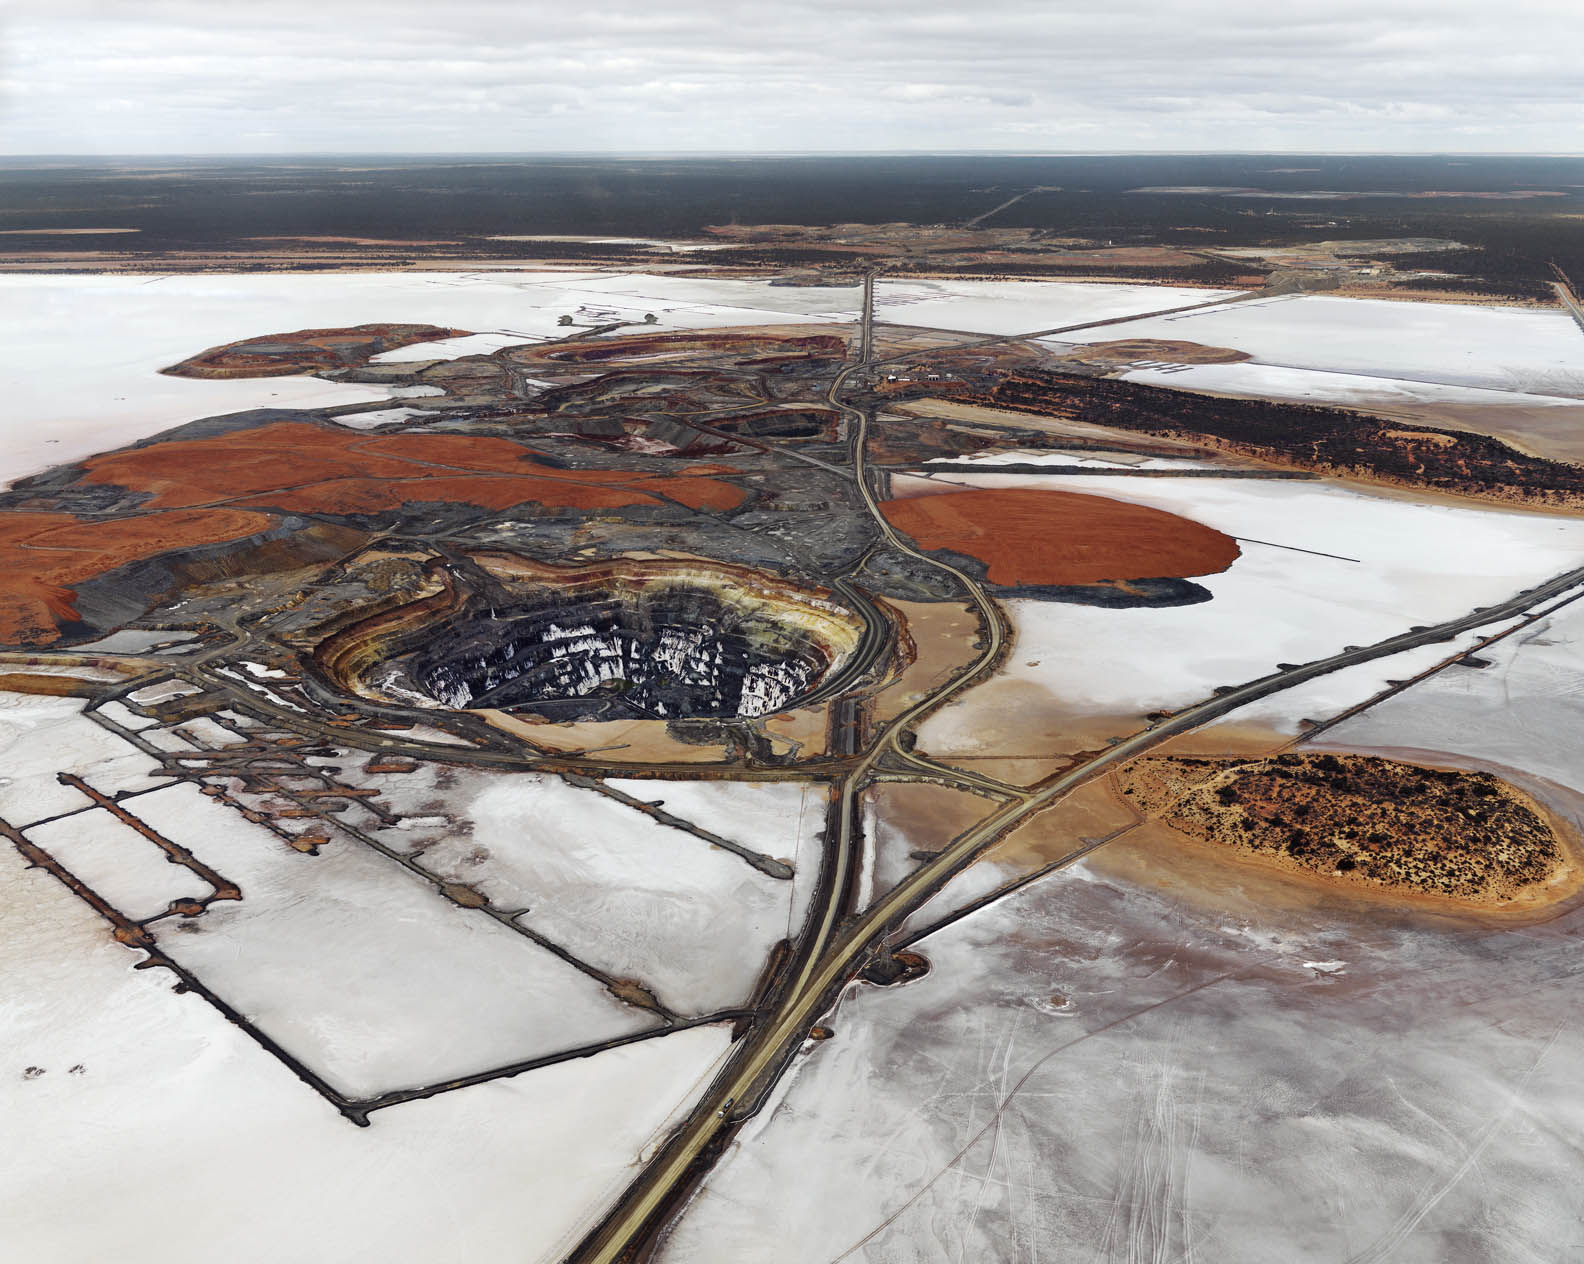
(1329, 440)
(305, 351)
(1432, 830)
(1213, 273)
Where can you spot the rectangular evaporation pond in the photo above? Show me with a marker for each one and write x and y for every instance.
(118, 862)
(363, 970)
(59, 738)
(633, 897)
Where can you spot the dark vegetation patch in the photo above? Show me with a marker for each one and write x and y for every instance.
(1477, 287)
(1214, 273)
(1433, 830)
(1331, 440)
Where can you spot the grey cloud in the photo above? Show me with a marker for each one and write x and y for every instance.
(479, 75)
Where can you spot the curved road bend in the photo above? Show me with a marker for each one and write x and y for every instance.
(770, 1046)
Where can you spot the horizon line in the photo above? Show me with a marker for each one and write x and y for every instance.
(653, 154)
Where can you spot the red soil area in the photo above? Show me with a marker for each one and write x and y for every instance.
(209, 491)
(1039, 537)
(305, 468)
(43, 554)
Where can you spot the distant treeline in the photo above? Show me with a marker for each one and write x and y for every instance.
(1479, 287)
(192, 203)
(1519, 264)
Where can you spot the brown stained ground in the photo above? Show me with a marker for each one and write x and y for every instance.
(942, 634)
(1091, 812)
(1054, 537)
(1006, 719)
(1015, 771)
(305, 351)
(981, 416)
(800, 734)
(1552, 431)
(1365, 821)
(1125, 351)
(617, 741)
(42, 555)
(924, 818)
(303, 467)
(921, 817)
(48, 686)
(1226, 738)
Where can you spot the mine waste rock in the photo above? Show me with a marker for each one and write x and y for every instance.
(623, 640)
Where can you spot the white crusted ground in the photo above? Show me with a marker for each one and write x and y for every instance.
(1552, 388)
(363, 970)
(1102, 1072)
(1015, 307)
(375, 982)
(640, 900)
(142, 1096)
(1525, 710)
(41, 736)
(1496, 348)
(1392, 564)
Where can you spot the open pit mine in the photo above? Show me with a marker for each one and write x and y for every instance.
(629, 640)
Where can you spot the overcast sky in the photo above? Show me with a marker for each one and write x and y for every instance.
(271, 76)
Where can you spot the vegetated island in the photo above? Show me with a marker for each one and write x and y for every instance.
(306, 351)
(1360, 819)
